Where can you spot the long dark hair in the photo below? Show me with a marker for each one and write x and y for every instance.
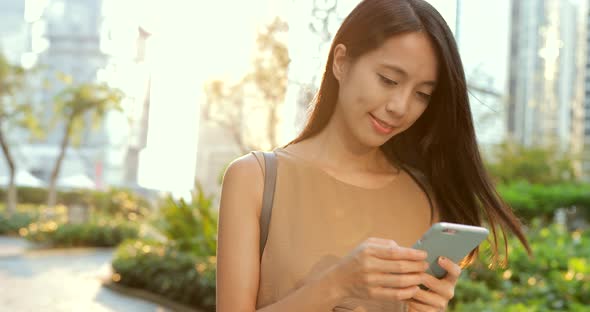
(441, 144)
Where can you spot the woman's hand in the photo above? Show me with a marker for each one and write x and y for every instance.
(379, 269)
(440, 291)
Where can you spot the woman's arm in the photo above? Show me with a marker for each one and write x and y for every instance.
(238, 263)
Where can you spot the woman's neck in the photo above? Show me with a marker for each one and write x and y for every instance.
(335, 147)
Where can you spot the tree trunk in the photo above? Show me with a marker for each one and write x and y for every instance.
(11, 199)
(272, 125)
(52, 190)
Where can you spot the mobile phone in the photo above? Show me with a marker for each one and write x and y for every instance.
(450, 240)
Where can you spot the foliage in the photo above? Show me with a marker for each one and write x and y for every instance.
(511, 162)
(28, 195)
(260, 91)
(114, 201)
(76, 101)
(190, 227)
(556, 278)
(117, 202)
(162, 269)
(536, 200)
(181, 266)
(72, 106)
(96, 233)
(11, 223)
(14, 112)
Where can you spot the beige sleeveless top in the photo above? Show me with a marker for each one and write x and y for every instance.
(318, 219)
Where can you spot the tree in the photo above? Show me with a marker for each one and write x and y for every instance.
(537, 164)
(325, 19)
(13, 114)
(324, 15)
(263, 88)
(72, 105)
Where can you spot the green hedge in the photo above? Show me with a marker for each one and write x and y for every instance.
(28, 195)
(556, 278)
(96, 233)
(112, 201)
(528, 200)
(534, 200)
(180, 276)
(10, 225)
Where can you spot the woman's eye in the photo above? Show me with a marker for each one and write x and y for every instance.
(387, 81)
(424, 96)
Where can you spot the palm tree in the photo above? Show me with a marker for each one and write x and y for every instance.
(12, 113)
(72, 105)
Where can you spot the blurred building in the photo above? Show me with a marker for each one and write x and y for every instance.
(65, 37)
(13, 34)
(483, 44)
(139, 127)
(582, 109)
(543, 72)
(77, 38)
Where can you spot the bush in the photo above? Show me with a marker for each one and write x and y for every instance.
(10, 224)
(510, 161)
(121, 202)
(180, 266)
(556, 278)
(27, 195)
(32, 195)
(189, 227)
(180, 276)
(535, 200)
(114, 201)
(97, 233)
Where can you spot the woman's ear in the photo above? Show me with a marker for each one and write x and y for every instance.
(340, 63)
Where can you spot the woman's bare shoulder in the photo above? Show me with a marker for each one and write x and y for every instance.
(238, 235)
(244, 180)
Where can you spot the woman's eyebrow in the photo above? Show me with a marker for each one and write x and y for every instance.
(404, 73)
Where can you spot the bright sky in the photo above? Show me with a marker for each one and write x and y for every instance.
(194, 41)
(191, 43)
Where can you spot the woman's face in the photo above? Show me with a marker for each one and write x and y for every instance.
(383, 92)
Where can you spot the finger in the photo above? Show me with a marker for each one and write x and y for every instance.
(453, 269)
(396, 253)
(442, 287)
(431, 299)
(397, 266)
(395, 294)
(394, 280)
(382, 241)
(417, 306)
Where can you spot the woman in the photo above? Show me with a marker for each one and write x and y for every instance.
(388, 150)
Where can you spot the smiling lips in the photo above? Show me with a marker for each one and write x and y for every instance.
(381, 126)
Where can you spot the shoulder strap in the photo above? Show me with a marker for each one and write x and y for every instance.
(270, 179)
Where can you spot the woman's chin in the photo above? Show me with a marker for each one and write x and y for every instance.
(375, 142)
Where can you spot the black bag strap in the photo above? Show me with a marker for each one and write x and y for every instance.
(270, 179)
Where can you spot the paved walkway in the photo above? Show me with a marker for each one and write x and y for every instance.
(59, 280)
